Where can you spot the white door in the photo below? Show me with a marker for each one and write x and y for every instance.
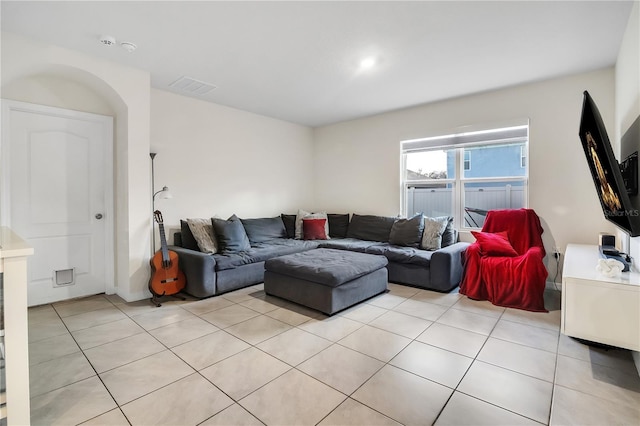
(58, 195)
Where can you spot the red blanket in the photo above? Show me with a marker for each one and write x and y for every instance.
(514, 282)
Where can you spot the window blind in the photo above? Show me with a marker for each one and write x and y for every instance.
(466, 139)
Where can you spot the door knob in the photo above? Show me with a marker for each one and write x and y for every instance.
(99, 216)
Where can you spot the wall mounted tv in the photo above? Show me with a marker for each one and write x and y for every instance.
(607, 174)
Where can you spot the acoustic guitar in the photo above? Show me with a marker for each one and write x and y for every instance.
(166, 277)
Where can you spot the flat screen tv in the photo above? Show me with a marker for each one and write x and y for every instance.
(605, 170)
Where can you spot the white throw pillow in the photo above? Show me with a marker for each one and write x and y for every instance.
(202, 231)
(303, 214)
(433, 229)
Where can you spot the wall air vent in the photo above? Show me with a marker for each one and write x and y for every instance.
(191, 86)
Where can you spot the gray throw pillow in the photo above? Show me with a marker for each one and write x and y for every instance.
(450, 235)
(433, 229)
(370, 228)
(338, 225)
(231, 235)
(202, 232)
(186, 237)
(289, 221)
(407, 232)
(264, 229)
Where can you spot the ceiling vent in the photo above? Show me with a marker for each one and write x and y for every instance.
(192, 86)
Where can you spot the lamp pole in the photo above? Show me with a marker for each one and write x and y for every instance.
(153, 205)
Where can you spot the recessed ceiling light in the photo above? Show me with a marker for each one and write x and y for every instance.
(367, 63)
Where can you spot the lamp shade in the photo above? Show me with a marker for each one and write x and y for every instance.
(163, 193)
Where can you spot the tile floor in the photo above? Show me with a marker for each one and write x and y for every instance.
(410, 356)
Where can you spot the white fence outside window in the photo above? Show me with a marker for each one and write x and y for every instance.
(438, 201)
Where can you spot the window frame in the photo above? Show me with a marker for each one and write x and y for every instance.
(458, 181)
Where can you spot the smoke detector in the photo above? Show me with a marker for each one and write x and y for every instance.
(107, 40)
(128, 46)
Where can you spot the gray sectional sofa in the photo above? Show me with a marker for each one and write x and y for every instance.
(245, 244)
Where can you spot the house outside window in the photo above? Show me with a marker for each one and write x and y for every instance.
(438, 179)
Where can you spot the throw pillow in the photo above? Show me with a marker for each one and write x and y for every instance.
(449, 236)
(433, 229)
(306, 215)
(186, 236)
(495, 244)
(338, 225)
(231, 235)
(289, 221)
(264, 229)
(407, 232)
(370, 228)
(314, 229)
(202, 232)
(301, 214)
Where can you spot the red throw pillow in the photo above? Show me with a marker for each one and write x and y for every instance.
(495, 244)
(313, 229)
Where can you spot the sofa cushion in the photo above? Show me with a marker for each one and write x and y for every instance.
(275, 248)
(350, 244)
(202, 232)
(326, 266)
(261, 252)
(434, 227)
(264, 229)
(407, 232)
(187, 239)
(231, 235)
(289, 221)
(369, 227)
(313, 229)
(338, 225)
(400, 254)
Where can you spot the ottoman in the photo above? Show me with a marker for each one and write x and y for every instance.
(327, 280)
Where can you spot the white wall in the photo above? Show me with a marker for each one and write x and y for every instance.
(57, 91)
(26, 69)
(627, 77)
(358, 162)
(628, 100)
(218, 160)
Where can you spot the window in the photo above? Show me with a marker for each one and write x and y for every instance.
(438, 179)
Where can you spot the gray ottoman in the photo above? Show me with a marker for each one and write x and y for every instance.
(327, 280)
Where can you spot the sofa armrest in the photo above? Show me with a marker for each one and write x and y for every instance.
(446, 266)
(199, 270)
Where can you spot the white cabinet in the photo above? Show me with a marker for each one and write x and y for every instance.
(598, 308)
(13, 265)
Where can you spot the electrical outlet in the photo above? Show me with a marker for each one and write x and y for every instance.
(556, 255)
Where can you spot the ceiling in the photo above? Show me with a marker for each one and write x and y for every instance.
(300, 60)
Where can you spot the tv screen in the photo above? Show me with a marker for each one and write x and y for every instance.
(605, 170)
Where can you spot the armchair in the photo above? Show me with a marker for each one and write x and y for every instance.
(507, 272)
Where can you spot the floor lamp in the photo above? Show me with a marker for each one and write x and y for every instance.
(163, 194)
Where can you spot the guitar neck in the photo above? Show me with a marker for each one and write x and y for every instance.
(163, 244)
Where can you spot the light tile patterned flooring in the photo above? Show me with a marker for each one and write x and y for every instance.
(410, 357)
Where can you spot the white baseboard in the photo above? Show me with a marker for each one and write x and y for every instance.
(134, 297)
